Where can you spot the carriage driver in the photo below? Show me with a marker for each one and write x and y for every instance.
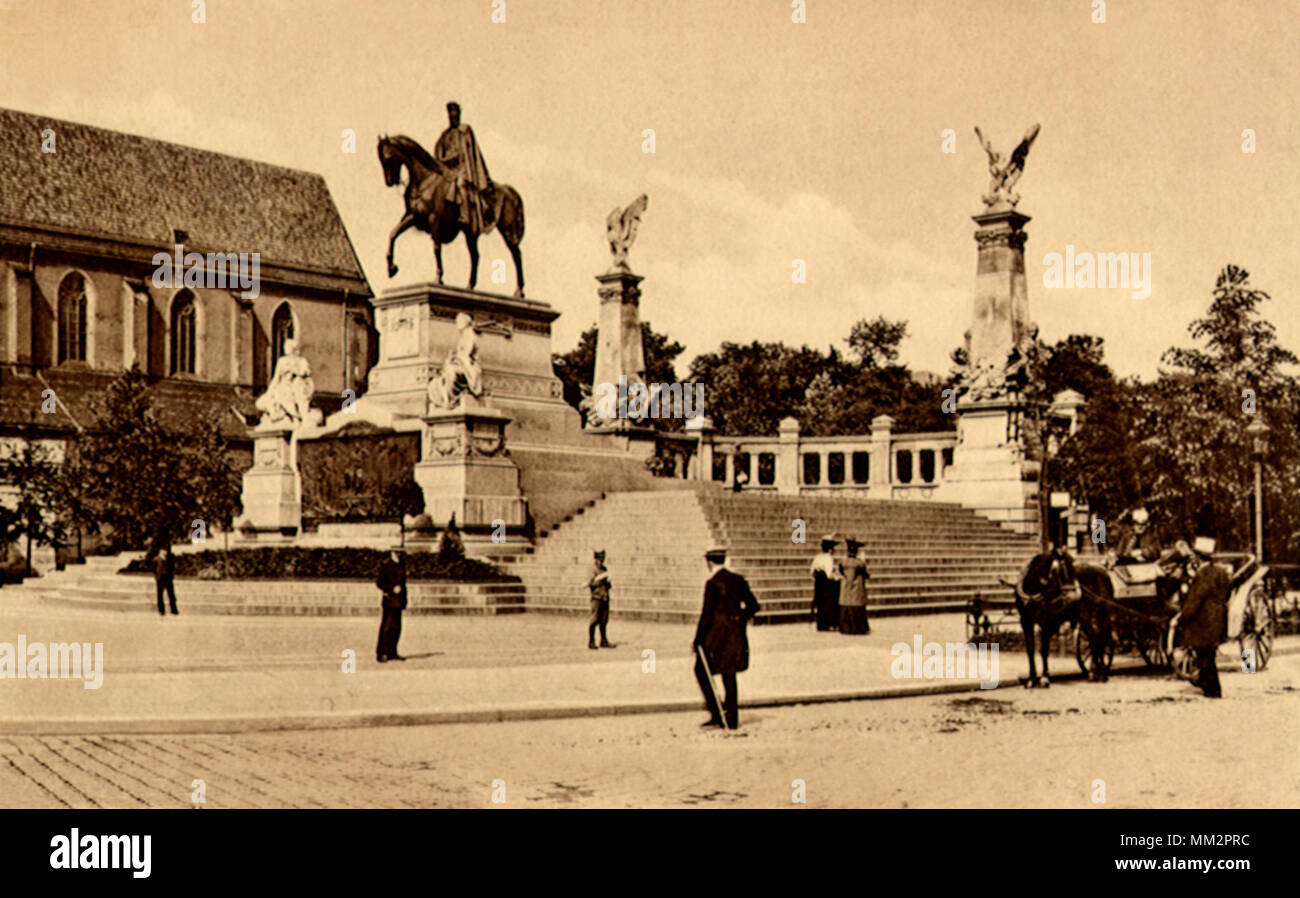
(1139, 544)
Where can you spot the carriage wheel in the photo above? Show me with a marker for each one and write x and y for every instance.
(1083, 653)
(1185, 664)
(1151, 646)
(1258, 627)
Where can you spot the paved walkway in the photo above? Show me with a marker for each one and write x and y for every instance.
(225, 674)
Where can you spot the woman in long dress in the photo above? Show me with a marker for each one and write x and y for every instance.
(853, 593)
(826, 585)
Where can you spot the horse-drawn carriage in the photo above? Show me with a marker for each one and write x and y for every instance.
(1144, 606)
(1122, 608)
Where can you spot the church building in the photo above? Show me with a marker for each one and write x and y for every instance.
(86, 217)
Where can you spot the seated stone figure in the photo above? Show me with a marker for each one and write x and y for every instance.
(287, 399)
(460, 372)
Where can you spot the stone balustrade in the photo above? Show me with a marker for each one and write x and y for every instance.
(876, 465)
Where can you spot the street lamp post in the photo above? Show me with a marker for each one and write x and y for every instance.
(1258, 431)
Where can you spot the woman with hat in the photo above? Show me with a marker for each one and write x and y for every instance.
(826, 585)
(853, 591)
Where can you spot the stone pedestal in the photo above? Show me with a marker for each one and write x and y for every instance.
(417, 328)
(467, 471)
(989, 472)
(270, 496)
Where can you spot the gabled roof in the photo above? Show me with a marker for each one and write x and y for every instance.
(108, 184)
(22, 400)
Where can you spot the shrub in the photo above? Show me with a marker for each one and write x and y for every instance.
(288, 562)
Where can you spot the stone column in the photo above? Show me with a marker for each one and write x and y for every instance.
(618, 348)
(1001, 313)
(882, 458)
(702, 426)
(787, 459)
(270, 496)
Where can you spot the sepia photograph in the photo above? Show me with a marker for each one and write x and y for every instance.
(659, 405)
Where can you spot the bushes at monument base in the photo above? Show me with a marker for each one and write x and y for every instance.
(293, 563)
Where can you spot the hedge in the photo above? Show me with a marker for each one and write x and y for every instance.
(290, 562)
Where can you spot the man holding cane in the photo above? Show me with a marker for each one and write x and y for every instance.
(721, 645)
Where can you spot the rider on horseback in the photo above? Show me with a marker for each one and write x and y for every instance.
(468, 184)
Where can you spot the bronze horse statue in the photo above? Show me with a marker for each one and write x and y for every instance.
(429, 210)
(1049, 593)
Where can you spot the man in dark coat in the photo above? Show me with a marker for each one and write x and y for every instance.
(728, 606)
(1204, 617)
(164, 574)
(392, 582)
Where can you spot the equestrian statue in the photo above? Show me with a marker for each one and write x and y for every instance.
(449, 193)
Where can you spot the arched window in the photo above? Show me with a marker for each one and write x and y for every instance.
(73, 306)
(185, 331)
(281, 331)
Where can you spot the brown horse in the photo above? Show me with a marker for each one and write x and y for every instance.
(429, 210)
(1046, 597)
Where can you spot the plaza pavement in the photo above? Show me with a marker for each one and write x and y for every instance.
(191, 674)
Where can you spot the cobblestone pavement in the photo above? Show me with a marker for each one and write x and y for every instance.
(1149, 741)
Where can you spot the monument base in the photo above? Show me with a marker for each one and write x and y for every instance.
(990, 473)
(467, 472)
(270, 495)
(635, 440)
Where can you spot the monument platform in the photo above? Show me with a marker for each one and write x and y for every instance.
(417, 329)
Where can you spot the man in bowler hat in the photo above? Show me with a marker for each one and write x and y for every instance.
(392, 582)
(728, 606)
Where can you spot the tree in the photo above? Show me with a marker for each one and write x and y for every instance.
(152, 481)
(31, 468)
(11, 529)
(1205, 485)
(749, 389)
(875, 342)
(68, 495)
(577, 367)
(1178, 444)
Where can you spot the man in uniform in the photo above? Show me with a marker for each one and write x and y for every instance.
(468, 183)
(392, 582)
(1204, 616)
(728, 606)
(827, 575)
(599, 585)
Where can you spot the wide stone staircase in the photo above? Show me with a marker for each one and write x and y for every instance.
(96, 586)
(922, 556)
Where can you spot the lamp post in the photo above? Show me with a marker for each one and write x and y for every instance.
(1258, 431)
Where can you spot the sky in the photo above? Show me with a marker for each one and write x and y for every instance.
(773, 142)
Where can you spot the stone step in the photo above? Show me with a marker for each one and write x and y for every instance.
(921, 555)
(680, 572)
